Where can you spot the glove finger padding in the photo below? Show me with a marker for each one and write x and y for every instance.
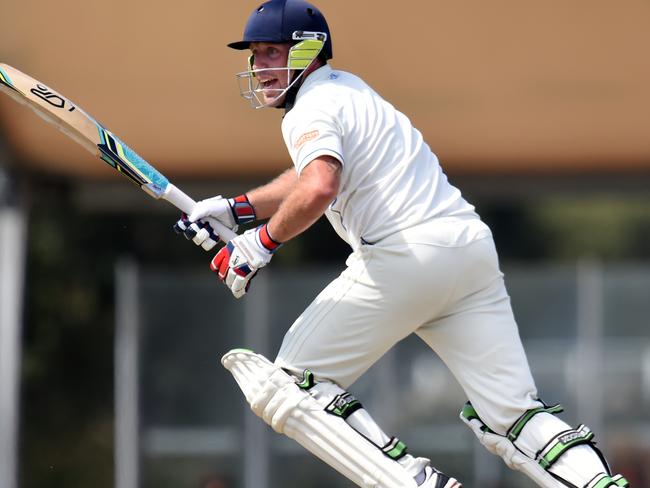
(219, 263)
(200, 232)
(238, 277)
(203, 239)
(240, 282)
(191, 231)
(205, 236)
(181, 225)
(233, 269)
(239, 260)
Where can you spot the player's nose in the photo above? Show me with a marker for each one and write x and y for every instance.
(259, 63)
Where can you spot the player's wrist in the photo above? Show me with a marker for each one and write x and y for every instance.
(242, 209)
(266, 240)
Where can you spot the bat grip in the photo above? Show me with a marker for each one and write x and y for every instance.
(185, 204)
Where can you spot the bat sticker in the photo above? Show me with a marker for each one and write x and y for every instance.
(127, 162)
(45, 94)
(113, 154)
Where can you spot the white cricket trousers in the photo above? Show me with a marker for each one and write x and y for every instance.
(454, 298)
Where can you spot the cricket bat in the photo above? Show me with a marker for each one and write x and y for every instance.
(74, 122)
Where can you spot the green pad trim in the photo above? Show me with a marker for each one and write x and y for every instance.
(515, 430)
(562, 443)
(469, 413)
(307, 380)
(395, 449)
(605, 481)
(343, 405)
(620, 481)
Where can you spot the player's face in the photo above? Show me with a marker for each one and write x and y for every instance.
(272, 58)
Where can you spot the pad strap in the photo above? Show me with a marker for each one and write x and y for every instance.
(518, 426)
(469, 413)
(561, 443)
(606, 481)
(395, 449)
(307, 381)
(343, 405)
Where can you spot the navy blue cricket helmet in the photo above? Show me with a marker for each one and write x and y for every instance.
(276, 21)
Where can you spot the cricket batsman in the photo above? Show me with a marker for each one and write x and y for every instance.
(422, 263)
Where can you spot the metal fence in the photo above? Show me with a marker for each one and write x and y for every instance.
(182, 421)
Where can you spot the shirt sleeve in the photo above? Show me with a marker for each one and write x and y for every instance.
(310, 134)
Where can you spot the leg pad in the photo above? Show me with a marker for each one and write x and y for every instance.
(545, 449)
(275, 396)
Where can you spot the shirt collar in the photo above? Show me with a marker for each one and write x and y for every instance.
(320, 74)
(315, 76)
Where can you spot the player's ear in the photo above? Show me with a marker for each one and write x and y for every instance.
(251, 60)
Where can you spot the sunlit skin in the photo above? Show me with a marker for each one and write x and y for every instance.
(268, 55)
(294, 202)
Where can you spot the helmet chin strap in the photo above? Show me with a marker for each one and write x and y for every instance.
(292, 92)
(290, 95)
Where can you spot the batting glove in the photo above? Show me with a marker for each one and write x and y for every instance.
(239, 260)
(231, 212)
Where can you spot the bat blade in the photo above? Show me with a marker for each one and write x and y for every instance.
(73, 121)
(84, 129)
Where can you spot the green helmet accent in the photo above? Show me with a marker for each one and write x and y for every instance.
(301, 55)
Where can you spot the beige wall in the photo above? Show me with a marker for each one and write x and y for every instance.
(512, 85)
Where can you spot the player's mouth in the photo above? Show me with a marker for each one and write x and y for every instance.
(270, 84)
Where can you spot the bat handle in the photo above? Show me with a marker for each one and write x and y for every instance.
(185, 204)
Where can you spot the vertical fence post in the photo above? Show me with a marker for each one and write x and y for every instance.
(589, 349)
(126, 354)
(256, 443)
(12, 268)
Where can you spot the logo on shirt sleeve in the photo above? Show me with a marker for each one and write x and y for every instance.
(306, 137)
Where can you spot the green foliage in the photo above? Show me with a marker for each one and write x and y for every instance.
(568, 227)
(606, 227)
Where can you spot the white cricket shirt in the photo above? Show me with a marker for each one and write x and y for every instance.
(391, 180)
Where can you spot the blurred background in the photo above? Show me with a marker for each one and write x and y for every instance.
(112, 327)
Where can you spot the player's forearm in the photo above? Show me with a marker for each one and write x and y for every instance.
(266, 199)
(316, 188)
(296, 214)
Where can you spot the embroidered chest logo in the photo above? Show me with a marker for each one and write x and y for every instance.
(306, 137)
